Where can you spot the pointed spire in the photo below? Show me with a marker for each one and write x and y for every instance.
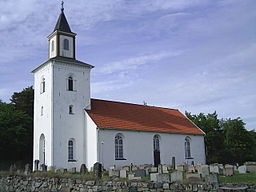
(62, 23)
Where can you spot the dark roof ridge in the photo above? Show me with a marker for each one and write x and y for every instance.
(62, 24)
(122, 102)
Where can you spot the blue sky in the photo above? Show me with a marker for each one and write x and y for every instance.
(193, 55)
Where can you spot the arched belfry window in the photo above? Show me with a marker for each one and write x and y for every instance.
(52, 46)
(70, 83)
(119, 145)
(71, 150)
(42, 85)
(187, 148)
(66, 44)
(156, 143)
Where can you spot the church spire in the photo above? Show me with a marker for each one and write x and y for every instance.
(62, 23)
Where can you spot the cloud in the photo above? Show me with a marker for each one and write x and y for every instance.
(134, 62)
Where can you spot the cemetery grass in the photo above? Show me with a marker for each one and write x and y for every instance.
(239, 178)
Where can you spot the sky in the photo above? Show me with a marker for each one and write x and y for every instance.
(191, 55)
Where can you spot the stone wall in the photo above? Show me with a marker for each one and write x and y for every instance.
(28, 183)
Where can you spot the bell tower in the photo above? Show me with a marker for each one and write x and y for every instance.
(62, 93)
(62, 39)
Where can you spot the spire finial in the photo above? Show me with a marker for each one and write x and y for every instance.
(62, 8)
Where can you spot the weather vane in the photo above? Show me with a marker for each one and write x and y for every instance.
(62, 8)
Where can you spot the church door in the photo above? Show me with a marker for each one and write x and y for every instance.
(42, 149)
(156, 146)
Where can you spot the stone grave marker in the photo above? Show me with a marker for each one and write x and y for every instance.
(36, 165)
(242, 169)
(97, 169)
(165, 169)
(162, 178)
(43, 167)
(153, 177)
(177, 176)
(72, 170)
(251, 167)
(127, 168)
(123, 173)
(140, 173)
(113, 173)
(229, 170)
(159, 169)
(27, 169)
(191, 169)
(83, 169)
(153, 170)
(212, 179)
(173, 163)
(131, 176)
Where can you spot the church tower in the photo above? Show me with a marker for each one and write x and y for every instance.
(62, 93)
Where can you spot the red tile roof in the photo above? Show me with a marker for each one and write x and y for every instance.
(119, 115)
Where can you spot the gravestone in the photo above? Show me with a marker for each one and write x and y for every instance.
(159, 169)
(127, 168)
(83, 169)
(242, 169)
(191, 169)
(214, 168)
(123, 173)
(229, 170)
(173, 163)
(153, 170)
(212, 179)
(177, 176)
(44, 167)
(162, 178)
(36, 165)
(97, 169)
(250, 167)
(153, 177)
(165, 169)
(27, 169)
(72, 170)
(204, 170)
(113, 173)
(140, 173)
(182, 167)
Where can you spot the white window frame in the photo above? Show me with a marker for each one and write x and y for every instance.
(119, 147)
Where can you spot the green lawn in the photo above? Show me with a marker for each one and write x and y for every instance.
(239, 178)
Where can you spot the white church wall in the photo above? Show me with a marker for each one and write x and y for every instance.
(43, 118)
(91, 142)
(138, 148)
(70, 126)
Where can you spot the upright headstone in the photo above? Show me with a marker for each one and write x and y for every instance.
(140, 173)
(159, 169)
(162, 178)
(212, 179)
(229, 170)
(97, 169)
(123, 173)
(250, 167)
(242, 169)
(165, 169)
(153, 177)
(83, 169)
(27, 169)
(173, 163)
(177, 176)
(36, 165)
(44, 167)
(204, 170)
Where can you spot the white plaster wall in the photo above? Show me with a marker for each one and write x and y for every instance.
(66, 53)
(54, 52)
(69, 126)
(138, 148)
(42, 124)
(91, 142)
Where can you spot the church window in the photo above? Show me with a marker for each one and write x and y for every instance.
(42, 111)
(156, 143)
(52, 46)
(119, 153)
(70, 84)
(187, 148)
(71, 150)
(42, 86)
(66, 44)
(70, 109)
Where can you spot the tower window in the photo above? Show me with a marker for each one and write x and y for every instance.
(71, 146)
(52, 46)
(66, 44)
(70, 109)
(187, 148)
(70, 84)
(156, 143)
(42, 85)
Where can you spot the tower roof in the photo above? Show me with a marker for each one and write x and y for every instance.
(62, 23)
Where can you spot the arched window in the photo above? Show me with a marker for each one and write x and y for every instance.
(42, 111)
(71, 144)
(156, 143)
(70, 109)
(52, 46)
(66, 44)
(42, 87)
(119, 153)
(187, 148)
(70, 84)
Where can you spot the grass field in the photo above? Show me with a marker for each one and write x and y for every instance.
(239, 178)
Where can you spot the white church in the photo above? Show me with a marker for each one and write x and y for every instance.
(71, 128)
